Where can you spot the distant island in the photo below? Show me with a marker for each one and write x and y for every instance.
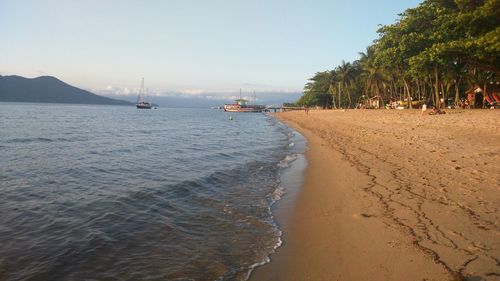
(48, 89)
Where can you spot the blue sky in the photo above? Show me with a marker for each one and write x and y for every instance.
(187, 46)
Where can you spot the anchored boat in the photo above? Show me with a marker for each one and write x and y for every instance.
(143, 102)
(241, 105)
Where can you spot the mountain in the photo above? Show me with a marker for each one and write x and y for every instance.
(48, 89)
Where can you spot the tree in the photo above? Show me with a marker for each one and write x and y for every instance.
(373, 76)
(316, 91)
(345, 76)
(441, 48)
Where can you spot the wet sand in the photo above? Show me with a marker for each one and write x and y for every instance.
(393, 195)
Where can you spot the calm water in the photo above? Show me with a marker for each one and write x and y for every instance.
(116, 193)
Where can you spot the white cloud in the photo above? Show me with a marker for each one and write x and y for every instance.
(227, 93)
(192, 91)
(115, 91)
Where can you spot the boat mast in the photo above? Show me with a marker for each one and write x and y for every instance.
(140, 98)
(254, 98)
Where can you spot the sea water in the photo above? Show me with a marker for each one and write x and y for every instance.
(116, 193)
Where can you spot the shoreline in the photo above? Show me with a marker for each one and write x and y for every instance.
(387, 196)
(291, 180)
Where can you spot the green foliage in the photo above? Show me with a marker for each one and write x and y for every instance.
(316, 91)
(432, 48)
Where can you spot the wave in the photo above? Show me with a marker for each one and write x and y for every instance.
(113, 201)
(45, 140)
(27, 140)
(284, 163)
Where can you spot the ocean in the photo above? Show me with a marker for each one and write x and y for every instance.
(115, 193)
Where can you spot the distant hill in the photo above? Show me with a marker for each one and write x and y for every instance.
(48, 89)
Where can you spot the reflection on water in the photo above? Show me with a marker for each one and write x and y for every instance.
(115, 193)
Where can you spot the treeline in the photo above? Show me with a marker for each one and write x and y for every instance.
(441, 49)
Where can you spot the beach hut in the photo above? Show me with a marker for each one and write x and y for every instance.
(370, 103)
(475, 97)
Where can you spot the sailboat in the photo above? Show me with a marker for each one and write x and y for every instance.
(143, 103)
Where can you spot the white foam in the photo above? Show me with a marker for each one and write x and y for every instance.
(285, 162)
(274, 197)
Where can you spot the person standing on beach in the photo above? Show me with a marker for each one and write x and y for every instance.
(441, 104)
(424, 108)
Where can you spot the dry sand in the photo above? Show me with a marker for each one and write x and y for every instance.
(393, 195)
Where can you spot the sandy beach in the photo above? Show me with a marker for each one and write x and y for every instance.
(393, 195)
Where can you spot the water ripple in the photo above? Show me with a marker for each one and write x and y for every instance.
(88, 195)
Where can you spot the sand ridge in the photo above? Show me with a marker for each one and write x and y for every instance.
(425, 186)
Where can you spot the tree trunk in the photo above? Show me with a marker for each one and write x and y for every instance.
(419, 90)
(331, 90)
(339, 95)
(348, 96)
(436, 87)
(424, 92)
(407, 88)
(443, 95)
(393, 91)
(484, 92)
(457, 93)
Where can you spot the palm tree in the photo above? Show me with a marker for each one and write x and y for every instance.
(345, 75)
(317, 90)
(374, 76)
(332, 88)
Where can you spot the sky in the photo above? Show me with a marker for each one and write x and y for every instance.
(187, 47)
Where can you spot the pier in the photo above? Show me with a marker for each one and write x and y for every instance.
(283, 108)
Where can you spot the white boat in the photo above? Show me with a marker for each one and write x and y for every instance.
(143, 102)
